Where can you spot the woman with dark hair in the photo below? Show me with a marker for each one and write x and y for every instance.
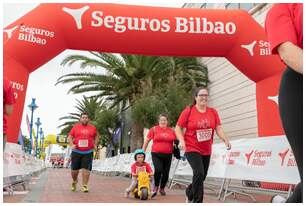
(163, 138)
(200, 122)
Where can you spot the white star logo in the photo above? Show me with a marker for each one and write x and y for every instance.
(76, 14)
(274, 99)
(10, 31)
(249, 47)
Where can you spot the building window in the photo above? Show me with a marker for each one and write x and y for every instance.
(232, 6)
(192, 5)
(244, 6)
(208, 6)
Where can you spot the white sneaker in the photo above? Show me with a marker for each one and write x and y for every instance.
(278, 199)
(126, 194)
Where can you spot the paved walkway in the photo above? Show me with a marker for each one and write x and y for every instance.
(54, 186)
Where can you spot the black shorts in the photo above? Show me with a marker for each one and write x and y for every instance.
(81, 161)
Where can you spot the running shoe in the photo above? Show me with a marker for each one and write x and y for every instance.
(162, 192)
(74, 186)
(278, 199)
(85, 188)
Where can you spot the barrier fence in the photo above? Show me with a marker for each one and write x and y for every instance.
(267, 159)
(18, 167)
(261, 159)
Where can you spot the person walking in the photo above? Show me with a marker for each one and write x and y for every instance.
(284, 28)
(163, 138)
(83, 139)
(200, 122)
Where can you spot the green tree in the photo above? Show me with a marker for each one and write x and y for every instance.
(103, 118)
(26, 144)
(171, 101)
(92, 106)
(107, 121)
(125, 79)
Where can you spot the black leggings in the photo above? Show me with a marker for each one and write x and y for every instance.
(162, 164)
(199, 165)
(291, 112)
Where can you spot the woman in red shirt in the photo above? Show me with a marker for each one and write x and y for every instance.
(284, 27)
(200, 122)
(163, 138)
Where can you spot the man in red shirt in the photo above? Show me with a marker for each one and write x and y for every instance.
(83, 139)
(8, 101)
(284, 27)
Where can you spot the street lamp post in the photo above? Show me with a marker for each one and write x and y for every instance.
(41, 141)
(32, 107)
(38, 123)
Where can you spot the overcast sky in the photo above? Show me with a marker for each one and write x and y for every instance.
(53, 101)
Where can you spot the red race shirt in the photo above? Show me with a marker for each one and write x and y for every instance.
(8, 98)
(84, 136)
(284, 22)
(200, 129)
(137, 167)
(162, 139)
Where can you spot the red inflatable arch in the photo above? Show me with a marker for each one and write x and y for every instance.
(49, 29)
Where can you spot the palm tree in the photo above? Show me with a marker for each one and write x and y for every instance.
(124, 79)
(92, 106)
(103, 118)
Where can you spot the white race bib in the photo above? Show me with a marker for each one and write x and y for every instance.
(140, 169)
(204, 134)
(83, 143)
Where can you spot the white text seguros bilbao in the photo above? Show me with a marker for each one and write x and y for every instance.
(34, 35)
(196, 25)
(32, 30)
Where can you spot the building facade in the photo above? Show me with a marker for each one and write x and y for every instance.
(231, 92)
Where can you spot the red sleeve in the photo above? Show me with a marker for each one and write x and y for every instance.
(72, 132)
(182, 121)
(150, 134)
(8, 93)
(149, 169)
(279, 27)
(217, 118)
(133, 169)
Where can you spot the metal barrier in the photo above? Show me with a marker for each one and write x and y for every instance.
(222, 189)
(226, 189)
(10, 183)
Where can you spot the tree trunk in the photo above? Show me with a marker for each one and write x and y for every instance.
(136, 136)
(116, 147)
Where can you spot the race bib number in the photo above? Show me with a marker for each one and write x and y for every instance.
(204, 134)
(83, 143)
(140, 169)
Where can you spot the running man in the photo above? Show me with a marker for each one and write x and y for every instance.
(83, 139)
